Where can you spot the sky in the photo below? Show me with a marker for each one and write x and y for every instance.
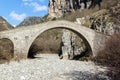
(15, 11)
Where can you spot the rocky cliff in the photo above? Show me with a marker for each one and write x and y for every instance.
(57, 8)
(106, 21)
(4, 25)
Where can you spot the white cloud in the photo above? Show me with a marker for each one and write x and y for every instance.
(14, 25)
(32, 0)
(41, 0)
(26, 4)
(18, 17)
(36, 7)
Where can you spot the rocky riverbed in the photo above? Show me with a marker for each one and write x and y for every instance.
(50, 67)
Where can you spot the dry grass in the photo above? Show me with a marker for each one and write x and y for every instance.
(71, 16)
(107, 4)
(6, 50)
(5, 57)
(47, 42)
(46, 45)
(110, 56)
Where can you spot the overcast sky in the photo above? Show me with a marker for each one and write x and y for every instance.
(14, 11)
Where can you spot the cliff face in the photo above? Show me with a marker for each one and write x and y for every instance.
(55, 8)
(4, 25)
(58, 7)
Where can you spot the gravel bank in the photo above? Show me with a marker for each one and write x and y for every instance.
(50, 67)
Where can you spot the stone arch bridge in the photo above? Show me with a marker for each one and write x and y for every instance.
(23, 37)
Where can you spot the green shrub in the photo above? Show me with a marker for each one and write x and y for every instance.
(53, 19)
(84, 59)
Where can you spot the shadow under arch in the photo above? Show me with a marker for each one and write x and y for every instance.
(89, 50)
(6, 48)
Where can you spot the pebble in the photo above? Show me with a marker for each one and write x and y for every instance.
(50, 67)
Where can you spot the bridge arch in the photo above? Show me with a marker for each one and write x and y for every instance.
(23, 37)
(81, 31)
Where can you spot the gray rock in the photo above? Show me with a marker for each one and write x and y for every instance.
(70, 48)
(50, 67)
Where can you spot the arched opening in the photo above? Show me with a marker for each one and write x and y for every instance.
(50, 41)
(46, 42)
(6, 50)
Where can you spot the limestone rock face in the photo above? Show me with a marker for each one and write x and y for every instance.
(67, 47)
(58, 7)
(104, 22)
(55, 8)
(70, 48)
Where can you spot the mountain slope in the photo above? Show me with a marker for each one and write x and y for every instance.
(30, 21)
(4, 25)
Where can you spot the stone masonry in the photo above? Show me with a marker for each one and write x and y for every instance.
(23, 37)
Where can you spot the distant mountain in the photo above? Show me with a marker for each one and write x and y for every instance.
(4, 25)
(30, 21)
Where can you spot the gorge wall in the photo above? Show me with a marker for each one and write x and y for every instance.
(55, 8)
(58, 7)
